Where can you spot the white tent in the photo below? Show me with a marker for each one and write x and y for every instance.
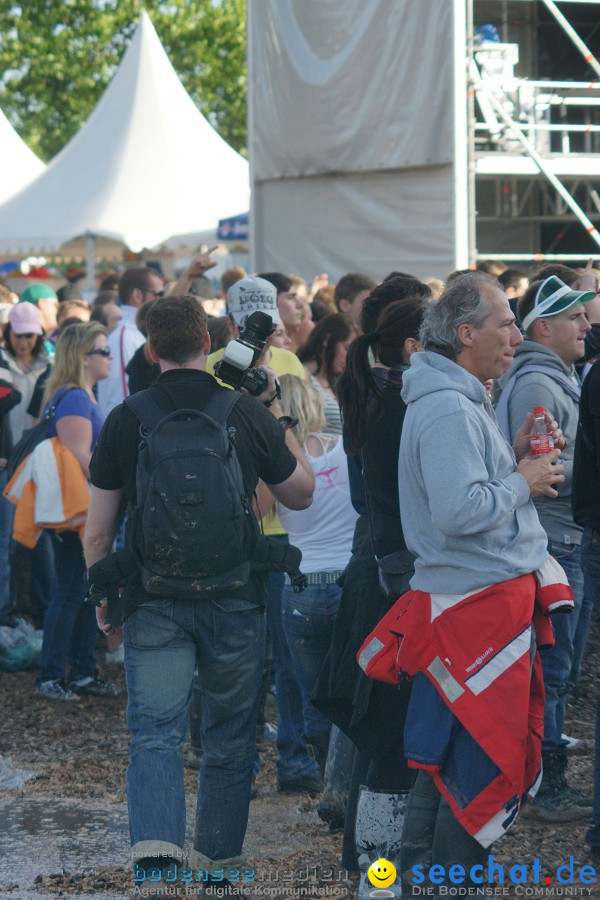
(145, 166)
(20, 165)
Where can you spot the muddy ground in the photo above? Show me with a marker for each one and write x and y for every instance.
(65, 832)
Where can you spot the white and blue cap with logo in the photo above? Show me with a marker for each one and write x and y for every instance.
(554, 297)
(251, 294)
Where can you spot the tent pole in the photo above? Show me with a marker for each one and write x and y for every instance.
(461, 138)
(472, 179)
(90, 263)
(252, 231)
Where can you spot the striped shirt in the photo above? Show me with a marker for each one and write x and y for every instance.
(333, 419)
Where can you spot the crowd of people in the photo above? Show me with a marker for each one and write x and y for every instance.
(423, 672)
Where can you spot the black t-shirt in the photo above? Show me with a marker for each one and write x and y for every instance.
(260, 445)
(141, 374)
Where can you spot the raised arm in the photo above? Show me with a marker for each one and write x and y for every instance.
(198, 266)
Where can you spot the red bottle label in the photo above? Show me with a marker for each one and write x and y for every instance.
(541, 443)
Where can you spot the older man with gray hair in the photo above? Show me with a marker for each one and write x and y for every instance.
(468, 516)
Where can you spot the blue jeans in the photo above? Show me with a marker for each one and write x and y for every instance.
(43, 571)
(308, 620)
(581, 633)
(293, 760)
(590, 563)
(41, 584)
(556, 660)
(69, 624)
(164, 642)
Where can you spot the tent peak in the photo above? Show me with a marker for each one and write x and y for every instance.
(145, 165)
(145, 21)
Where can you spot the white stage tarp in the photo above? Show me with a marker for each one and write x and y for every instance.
(372, 223)
(343, 87)
(145, 166)
(353, 135)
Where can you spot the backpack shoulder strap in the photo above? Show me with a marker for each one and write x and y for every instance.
(149, 413)
(145, 409)
(220, 404)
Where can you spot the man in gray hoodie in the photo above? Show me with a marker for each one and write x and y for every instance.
(555, 324)
(465, 494)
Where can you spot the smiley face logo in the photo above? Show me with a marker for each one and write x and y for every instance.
(381, 873)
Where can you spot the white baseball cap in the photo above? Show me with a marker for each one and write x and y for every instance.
(249, 295)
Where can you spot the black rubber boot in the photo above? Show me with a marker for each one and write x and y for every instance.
(553, 802)
(586, 802)
(336, 780)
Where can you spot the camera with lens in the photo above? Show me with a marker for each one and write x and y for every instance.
(236, 367)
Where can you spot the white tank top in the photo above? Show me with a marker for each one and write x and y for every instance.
(325, 530)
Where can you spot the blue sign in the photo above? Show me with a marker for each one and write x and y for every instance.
(233, 229)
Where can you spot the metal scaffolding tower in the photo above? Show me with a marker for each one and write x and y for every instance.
(533, 129)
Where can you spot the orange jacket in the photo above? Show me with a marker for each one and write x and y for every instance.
(49, 490)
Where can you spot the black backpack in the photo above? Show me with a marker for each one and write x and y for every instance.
(193, 528)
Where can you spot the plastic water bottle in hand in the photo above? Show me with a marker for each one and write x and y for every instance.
(541, 441)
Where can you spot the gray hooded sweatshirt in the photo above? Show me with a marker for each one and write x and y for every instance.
(536, 389)
(466, 514)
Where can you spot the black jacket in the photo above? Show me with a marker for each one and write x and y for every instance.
(586, 466)
(343, 692)
(9, 397)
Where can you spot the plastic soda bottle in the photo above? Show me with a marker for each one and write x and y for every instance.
(541, 441)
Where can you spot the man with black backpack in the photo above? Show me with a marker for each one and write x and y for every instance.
(186, 456)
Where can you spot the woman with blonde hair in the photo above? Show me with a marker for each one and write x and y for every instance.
(302, 401)
(82, 359)
(323, 532)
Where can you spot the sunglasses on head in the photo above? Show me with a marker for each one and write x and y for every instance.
(100, 351)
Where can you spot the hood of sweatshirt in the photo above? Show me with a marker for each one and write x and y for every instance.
(431, 372)
(530, 353)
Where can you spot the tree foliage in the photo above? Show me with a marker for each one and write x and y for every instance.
(58, 56)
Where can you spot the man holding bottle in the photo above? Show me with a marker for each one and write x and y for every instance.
(468, 516)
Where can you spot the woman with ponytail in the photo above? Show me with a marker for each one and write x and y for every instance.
(361, 388)
(371, 713)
